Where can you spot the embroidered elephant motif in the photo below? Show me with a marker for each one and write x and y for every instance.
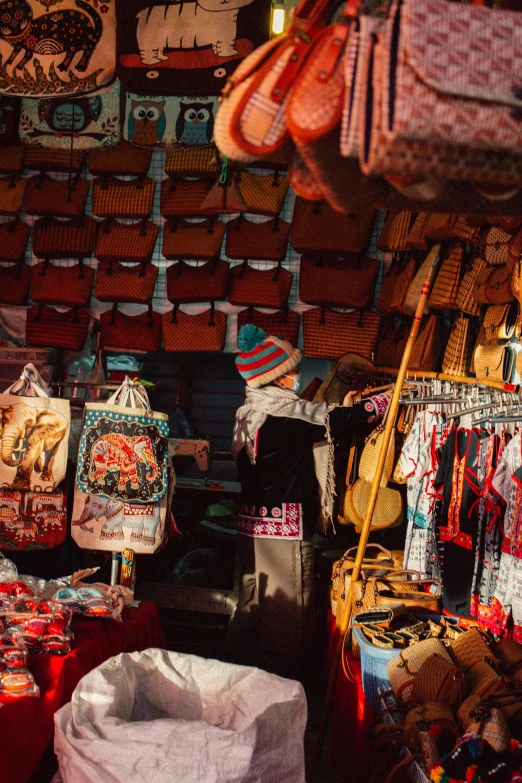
(143, 519)
(122, 455)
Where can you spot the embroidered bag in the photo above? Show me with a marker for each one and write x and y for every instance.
(248, 240)
(55, 160)
(47, 328)
(260, 287)
(123, 333)
(332, 282)
(92, 121)
(443, 295)
(60, 51)
(33, 520)
(35, 435)
(12, 191)
(317, 227)
(207, 282)
(123, 451)
(426, 352)
(465, 298)
(14, 236)
(74, 238)
(206, 331)
(69, 286)
(193, 240)
(159, 121)
(116, 282)
(123, 160)
(166, 50)
(283, 323)
(329, 335)
(14, 284)
(56, 197)
(116, 198)
(132, 242)
(201, 162)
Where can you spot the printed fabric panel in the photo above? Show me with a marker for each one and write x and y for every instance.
(160, 120)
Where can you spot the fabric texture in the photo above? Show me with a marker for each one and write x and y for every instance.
(56, 198)
(193, 241)
(69, 286)
(162, 120)
(205, 331)
(262, 359)
(48, 328)
(117, 282)
(115, 198)
(133, 333)
(53, 238)
(260, 287)
(329, 335)
(123, 242)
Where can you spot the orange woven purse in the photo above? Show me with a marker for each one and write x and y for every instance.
(205, 331)
(267, 240)
(193, 241)
(329, 335)
(284, 323)
(332, 282)
(260, 287)
(117, 282)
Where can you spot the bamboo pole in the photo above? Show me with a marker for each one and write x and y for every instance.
(365, 531)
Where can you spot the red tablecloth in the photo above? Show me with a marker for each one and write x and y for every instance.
(26, 726)
(351, 718)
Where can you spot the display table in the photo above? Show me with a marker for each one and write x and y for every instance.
(26, 726)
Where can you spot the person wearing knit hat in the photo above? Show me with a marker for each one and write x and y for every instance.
(284, 449)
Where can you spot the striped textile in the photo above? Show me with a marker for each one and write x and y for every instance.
(58, 239)
(115, 198)
(120, 242)
(116, 282)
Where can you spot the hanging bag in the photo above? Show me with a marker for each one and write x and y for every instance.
(330, 282)
(206, 282)
(260, 287)
(56, 197)
(117, 282)
(14, 284)
(426, 352)
(316, 227)
(465, 298)
(12, 192)
(329, 335)
(283, 323)
(14, 236)
(69, 286)
(116, 198)
(48, 328)
(206, 331)
(445, 289)
(495, 362)
(56, 239)
(500, 322)
(194, 241)
(413, 294)
(123, 450)
(55, 160)
(121, 160)
(122, 333)
(201, 162)
(126, 242)
(478, 716)
(457, 354)
(403, 669)
(247, 240)
(33, 520)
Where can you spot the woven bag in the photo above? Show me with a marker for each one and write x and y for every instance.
(120, 161)
(470, 648)
(515, 247)
(405, 277)
(47, 328)
(14, 284)
(500, 322)
(330, 282)
(429, 731)
(116, 198)
(193, 241)
(329, 335)
(488, 722)
(440, 681)
(426, 352)
(465, 298)
(126, 242)
(56, 198)
(12, 159)
(413, 294)
(74, 238)
(205, 331)
(247, 240)
(130, 333)
(200, 162)
(284, 323)
(391, 344)
(41, 159)
(495, 362)
(342, 568)
(263, 194)
(260, 287)
(116, 282)
(456, 355)
(370, 456)
(483, 680)
(14, 236)
(183, 198)
(223, 198)
(445, 289)
(316, 227)
(389, 280)
(509, 653)
(411, 594)
(12, 191)
(416, 238)
(403, 669)
(364, 592)
(511, 224)
(69, 286)
(385, 236)
(495, 244)
(493, 285)
(440, 225)
(302, 180)
(466, 231)
(388, 510)
(206, 282)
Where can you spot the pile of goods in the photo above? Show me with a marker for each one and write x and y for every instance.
(15, 678)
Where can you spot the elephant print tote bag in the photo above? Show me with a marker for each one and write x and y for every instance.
(161, 121)
(52, 48)
(32, 520)
(112, 525)
(34, 436)
(189, 48)
(123, 448)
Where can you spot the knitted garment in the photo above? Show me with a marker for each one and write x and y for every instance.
(262, 359)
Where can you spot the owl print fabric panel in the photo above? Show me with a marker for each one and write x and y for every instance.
(93, 121)
(189, 48)
(54, 48)
(164, 121)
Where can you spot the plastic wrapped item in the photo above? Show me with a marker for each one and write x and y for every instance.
(42, 626)
(8, 570)
(86, 601)
(16, 680)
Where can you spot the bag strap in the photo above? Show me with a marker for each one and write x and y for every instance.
(131, 394)
(29, 384)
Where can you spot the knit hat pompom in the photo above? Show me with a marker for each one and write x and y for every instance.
(249, 337)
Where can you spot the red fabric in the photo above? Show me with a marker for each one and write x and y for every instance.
(351, 719)
(26, 727)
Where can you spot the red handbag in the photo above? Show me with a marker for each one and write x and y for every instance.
(12, 190)
(260, 287)
(132, 333)
(59, 160)
(284, 323)
(117, 198)
(70, 286)
(183, 198)
(119, 283)
(329, 335)
(120, 161)
(205, 331)
(48, 328)
(14, 284)
(74, 238)
(207, 282)
(14, 236)
(247, 240)
(12, 159)
(316, 227)
(193, 240)
(333, 282)
(123, 242)
(56, 197)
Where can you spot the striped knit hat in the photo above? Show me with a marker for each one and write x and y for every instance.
(262, 359)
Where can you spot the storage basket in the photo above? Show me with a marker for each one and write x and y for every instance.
(374, 661)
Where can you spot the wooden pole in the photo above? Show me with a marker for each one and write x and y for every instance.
(365, 531)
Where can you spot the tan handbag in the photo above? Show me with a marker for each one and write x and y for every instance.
(403, 669)
(470, 648)
(388, 510)
(329, 335)
(477, 716)
(483, 680)
(417, 238)
(456, 356)
(425, 355)
(381, 562)
(464, 230)
(440, 225)
(497, 284)
(495, 244)
(465, 297)
(440, 681)
(413, 295)
(394, 238)
(500, 322)
(495, 362)
(443, 295)
(370, 456)
(428, 730)
(389, 594)
(404, 279)
(510, 655)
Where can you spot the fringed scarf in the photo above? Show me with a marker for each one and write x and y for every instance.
(275, 401)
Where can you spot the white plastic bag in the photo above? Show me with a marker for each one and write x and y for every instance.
(160, 717)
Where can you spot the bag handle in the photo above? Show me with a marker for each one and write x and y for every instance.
(29, 384)
(131, 394)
